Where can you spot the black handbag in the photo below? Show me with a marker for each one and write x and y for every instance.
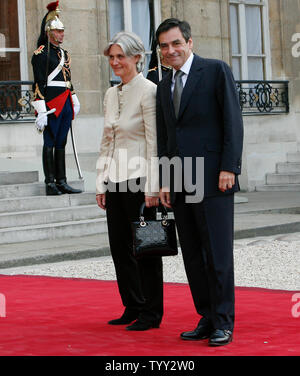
(154, 237)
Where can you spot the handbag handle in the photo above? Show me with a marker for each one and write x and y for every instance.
(142, 218)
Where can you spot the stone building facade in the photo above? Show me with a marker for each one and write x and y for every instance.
(258, 38)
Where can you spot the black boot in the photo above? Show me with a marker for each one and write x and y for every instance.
(61, 180)
(49, 171)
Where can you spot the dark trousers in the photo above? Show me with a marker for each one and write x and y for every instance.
(56, 132)
(140, 282)
(205, 232)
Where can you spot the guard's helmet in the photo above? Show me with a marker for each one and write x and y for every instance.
(52, 17)
(50, 22)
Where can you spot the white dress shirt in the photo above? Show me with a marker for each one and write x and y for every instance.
(185, 69)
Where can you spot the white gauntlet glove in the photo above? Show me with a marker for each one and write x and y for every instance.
(42, 118)
(76, 104)
(41, 122)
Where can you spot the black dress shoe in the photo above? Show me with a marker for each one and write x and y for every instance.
(201, 332)
(125, 319)
(139, 325)
(66, 189)
(51, 190)
(220, 337)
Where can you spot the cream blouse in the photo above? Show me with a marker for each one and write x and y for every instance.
(129, 147)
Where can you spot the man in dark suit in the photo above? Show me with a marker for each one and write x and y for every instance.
(198, 115)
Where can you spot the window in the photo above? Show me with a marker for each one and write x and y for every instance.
(13, 65)
(140, 16)
(250, 39)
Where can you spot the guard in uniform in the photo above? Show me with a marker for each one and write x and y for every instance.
(153, 73)
(157, 69)
(56, 103)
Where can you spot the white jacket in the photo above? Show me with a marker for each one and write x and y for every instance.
(129, 146)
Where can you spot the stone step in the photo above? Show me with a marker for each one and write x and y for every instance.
(55, 250)
(278, 188)
(39, 217)
(293, 157)
(18, 204)
(32, 189)
(22, 177)
(282, 179)
(289, 167)
(73, 229)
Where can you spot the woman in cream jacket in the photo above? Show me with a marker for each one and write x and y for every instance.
(127, 176)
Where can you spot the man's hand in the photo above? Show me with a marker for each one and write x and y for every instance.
(165, 197)
(226, 180)
(101, 201)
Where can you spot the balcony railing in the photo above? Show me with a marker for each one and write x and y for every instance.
(263, 97)
(260, 97)
(15, 101)
(256, 98)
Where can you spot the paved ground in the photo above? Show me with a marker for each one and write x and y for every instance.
(264, 214)
(267, 242)
(270, 262)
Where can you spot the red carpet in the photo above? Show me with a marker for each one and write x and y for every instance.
(55, 316)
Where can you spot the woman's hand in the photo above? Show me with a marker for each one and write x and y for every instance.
(151, 201)
(101, 201)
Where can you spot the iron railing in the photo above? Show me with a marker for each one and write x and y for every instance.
(15, 101)
(256, 98)
(263, 97)
(259, 97)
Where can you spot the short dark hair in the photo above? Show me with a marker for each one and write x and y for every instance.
(170, 23)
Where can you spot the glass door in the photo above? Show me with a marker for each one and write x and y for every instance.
(139, 16)
(9, 41)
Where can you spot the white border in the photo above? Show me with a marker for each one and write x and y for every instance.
(22, 40)
(267, 43)
(157, 13)
(127, 15)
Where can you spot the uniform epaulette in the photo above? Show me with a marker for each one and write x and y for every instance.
(39, 50)
(152, 70)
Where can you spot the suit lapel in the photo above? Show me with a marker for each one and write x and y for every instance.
(194, 76)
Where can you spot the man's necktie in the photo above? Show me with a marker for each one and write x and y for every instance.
(177, 91)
